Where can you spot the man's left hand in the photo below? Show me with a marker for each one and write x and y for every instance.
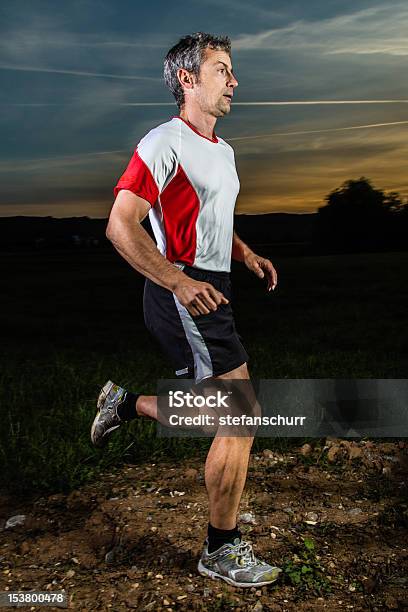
(262, 267)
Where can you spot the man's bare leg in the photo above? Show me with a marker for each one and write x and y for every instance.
(225, 554)
(226, 470)
(146, 406)
(226, 465)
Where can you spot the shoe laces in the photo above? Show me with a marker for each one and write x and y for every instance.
(245, 554)
(111, 415)
(112, 407)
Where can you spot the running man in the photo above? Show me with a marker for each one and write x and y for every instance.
(184, 176)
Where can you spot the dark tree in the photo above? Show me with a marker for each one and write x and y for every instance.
(358, 217)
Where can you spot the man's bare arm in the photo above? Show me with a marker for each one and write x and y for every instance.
(259, 265)
(132, 241)
(134, 244)
(240, 250)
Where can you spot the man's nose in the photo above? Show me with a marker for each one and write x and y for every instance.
(233, 81)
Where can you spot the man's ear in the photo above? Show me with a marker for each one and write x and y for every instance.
(185, 78)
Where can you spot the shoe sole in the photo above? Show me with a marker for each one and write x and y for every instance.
(101, 398)
(210, 574)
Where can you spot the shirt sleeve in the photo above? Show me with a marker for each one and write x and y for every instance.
(151, 166)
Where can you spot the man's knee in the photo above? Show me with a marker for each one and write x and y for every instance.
(243, 403)
(241, 372)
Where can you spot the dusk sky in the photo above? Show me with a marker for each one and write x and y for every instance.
(82, 83)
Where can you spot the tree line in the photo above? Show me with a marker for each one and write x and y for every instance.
(357, 216)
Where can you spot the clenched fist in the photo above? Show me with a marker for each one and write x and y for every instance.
(198, 297)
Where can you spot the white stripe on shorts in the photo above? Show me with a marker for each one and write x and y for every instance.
(202, 360)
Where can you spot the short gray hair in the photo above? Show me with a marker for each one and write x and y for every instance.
(189, 53)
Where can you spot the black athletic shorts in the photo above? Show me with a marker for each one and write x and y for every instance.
(201, 346)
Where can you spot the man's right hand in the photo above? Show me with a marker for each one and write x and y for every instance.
(198, 297)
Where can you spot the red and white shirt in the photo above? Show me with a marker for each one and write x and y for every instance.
(191, 184)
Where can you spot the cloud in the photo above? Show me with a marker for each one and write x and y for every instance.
(248, 10)
(319, 102)
(80, 73)
(319, 131)
(379, 29)
(147, 104)
(42, 163)
(42, 42)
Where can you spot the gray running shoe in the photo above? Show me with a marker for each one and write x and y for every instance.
(107, 418)
(237, 565)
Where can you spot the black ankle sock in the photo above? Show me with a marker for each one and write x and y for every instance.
(218, 537)
(127, 409)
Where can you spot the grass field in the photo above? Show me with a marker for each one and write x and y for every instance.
(74, 319)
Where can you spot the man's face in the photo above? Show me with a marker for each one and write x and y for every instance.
(216, 82)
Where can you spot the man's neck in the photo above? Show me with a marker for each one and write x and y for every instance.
(203, 123)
